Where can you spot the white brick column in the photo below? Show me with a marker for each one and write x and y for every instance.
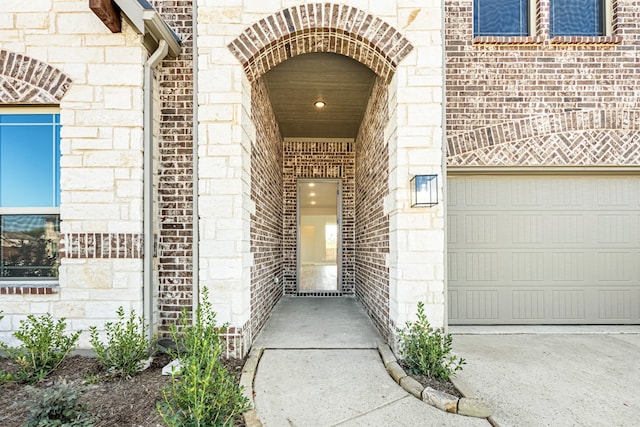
(225, 133)
(414, 134)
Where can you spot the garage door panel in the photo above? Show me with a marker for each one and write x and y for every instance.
(568, 305)
(527, 228)
(480, 229)
(528, 304)
(615, 304)
(527, 266)
(481, 266)
(481, 304)
(520, 256)
(614, 266)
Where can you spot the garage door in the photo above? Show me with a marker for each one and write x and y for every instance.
(545, 249)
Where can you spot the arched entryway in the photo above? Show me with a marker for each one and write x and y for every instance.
(347, 58)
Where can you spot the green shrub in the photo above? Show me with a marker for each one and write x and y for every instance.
(427, 351)
(44, 346)
(126, 345)
(203, 393)
(58, 405)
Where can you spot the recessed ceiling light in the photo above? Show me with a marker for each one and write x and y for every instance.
(313, 202)
(312, 194)
(311, 184)
(319, 103)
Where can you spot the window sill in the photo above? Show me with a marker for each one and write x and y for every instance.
(508, 40)
(559, 40)
(28, 289)
(601, 40)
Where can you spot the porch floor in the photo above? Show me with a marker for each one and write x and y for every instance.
(321, 367)
(318, 322)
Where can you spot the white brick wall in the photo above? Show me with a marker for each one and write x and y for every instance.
(416, 259)
(414, 135)
(101, 164)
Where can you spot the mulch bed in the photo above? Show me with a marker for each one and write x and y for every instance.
(445, 386)
(111, 401)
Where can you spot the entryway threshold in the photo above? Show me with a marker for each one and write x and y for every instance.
(544, 329)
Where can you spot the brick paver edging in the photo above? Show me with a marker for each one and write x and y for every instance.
(469, 405)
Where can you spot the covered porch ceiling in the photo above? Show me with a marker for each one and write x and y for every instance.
(341, 82)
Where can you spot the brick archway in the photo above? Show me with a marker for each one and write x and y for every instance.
(25, 80)
(576, 138)
(320, 27)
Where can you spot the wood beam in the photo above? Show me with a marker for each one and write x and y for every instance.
(108, 13)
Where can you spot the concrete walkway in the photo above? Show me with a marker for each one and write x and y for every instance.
(320, 367)
(560, 376)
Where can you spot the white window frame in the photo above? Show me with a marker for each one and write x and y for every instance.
(607, 12)
(27, 210)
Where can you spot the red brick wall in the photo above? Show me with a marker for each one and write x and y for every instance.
(506, 80)
(175, 167)
(266, 223)
(372, 225)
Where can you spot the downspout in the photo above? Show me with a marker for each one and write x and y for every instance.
(445, 320)
(195, 237)
(147, 197)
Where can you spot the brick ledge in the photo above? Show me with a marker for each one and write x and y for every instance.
(508, 40)
(26, 289)
(603, 40)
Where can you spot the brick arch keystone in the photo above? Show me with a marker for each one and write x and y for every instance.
(25, 80)
(320, 27)
(577, 138)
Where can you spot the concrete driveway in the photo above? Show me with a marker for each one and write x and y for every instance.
(575, 378)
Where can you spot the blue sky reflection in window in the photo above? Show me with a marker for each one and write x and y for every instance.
(29, 196)
(576, 18)
(29, 160)
(500, 18)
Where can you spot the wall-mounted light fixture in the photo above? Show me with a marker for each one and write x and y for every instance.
(424, 191)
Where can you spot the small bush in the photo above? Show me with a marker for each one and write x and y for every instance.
(44, 346)
(427, 351)
(203, 393)
(58, 405)
(126, 345)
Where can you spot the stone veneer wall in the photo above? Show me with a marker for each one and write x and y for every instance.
(101, 164)
(333, 159)
(240, 41)
(372, 225)
(538, 101)
(266, 222)
(174, 205)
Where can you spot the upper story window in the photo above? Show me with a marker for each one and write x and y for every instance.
(578, 18)
(29, 194)
(501, 18)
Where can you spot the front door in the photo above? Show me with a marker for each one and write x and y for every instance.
(318, 235)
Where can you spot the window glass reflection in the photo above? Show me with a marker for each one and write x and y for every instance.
(502, 18)
(576, 18)
(29, 246)
(29, 160)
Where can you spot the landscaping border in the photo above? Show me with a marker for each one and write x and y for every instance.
(469, 405)
(246, 382)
